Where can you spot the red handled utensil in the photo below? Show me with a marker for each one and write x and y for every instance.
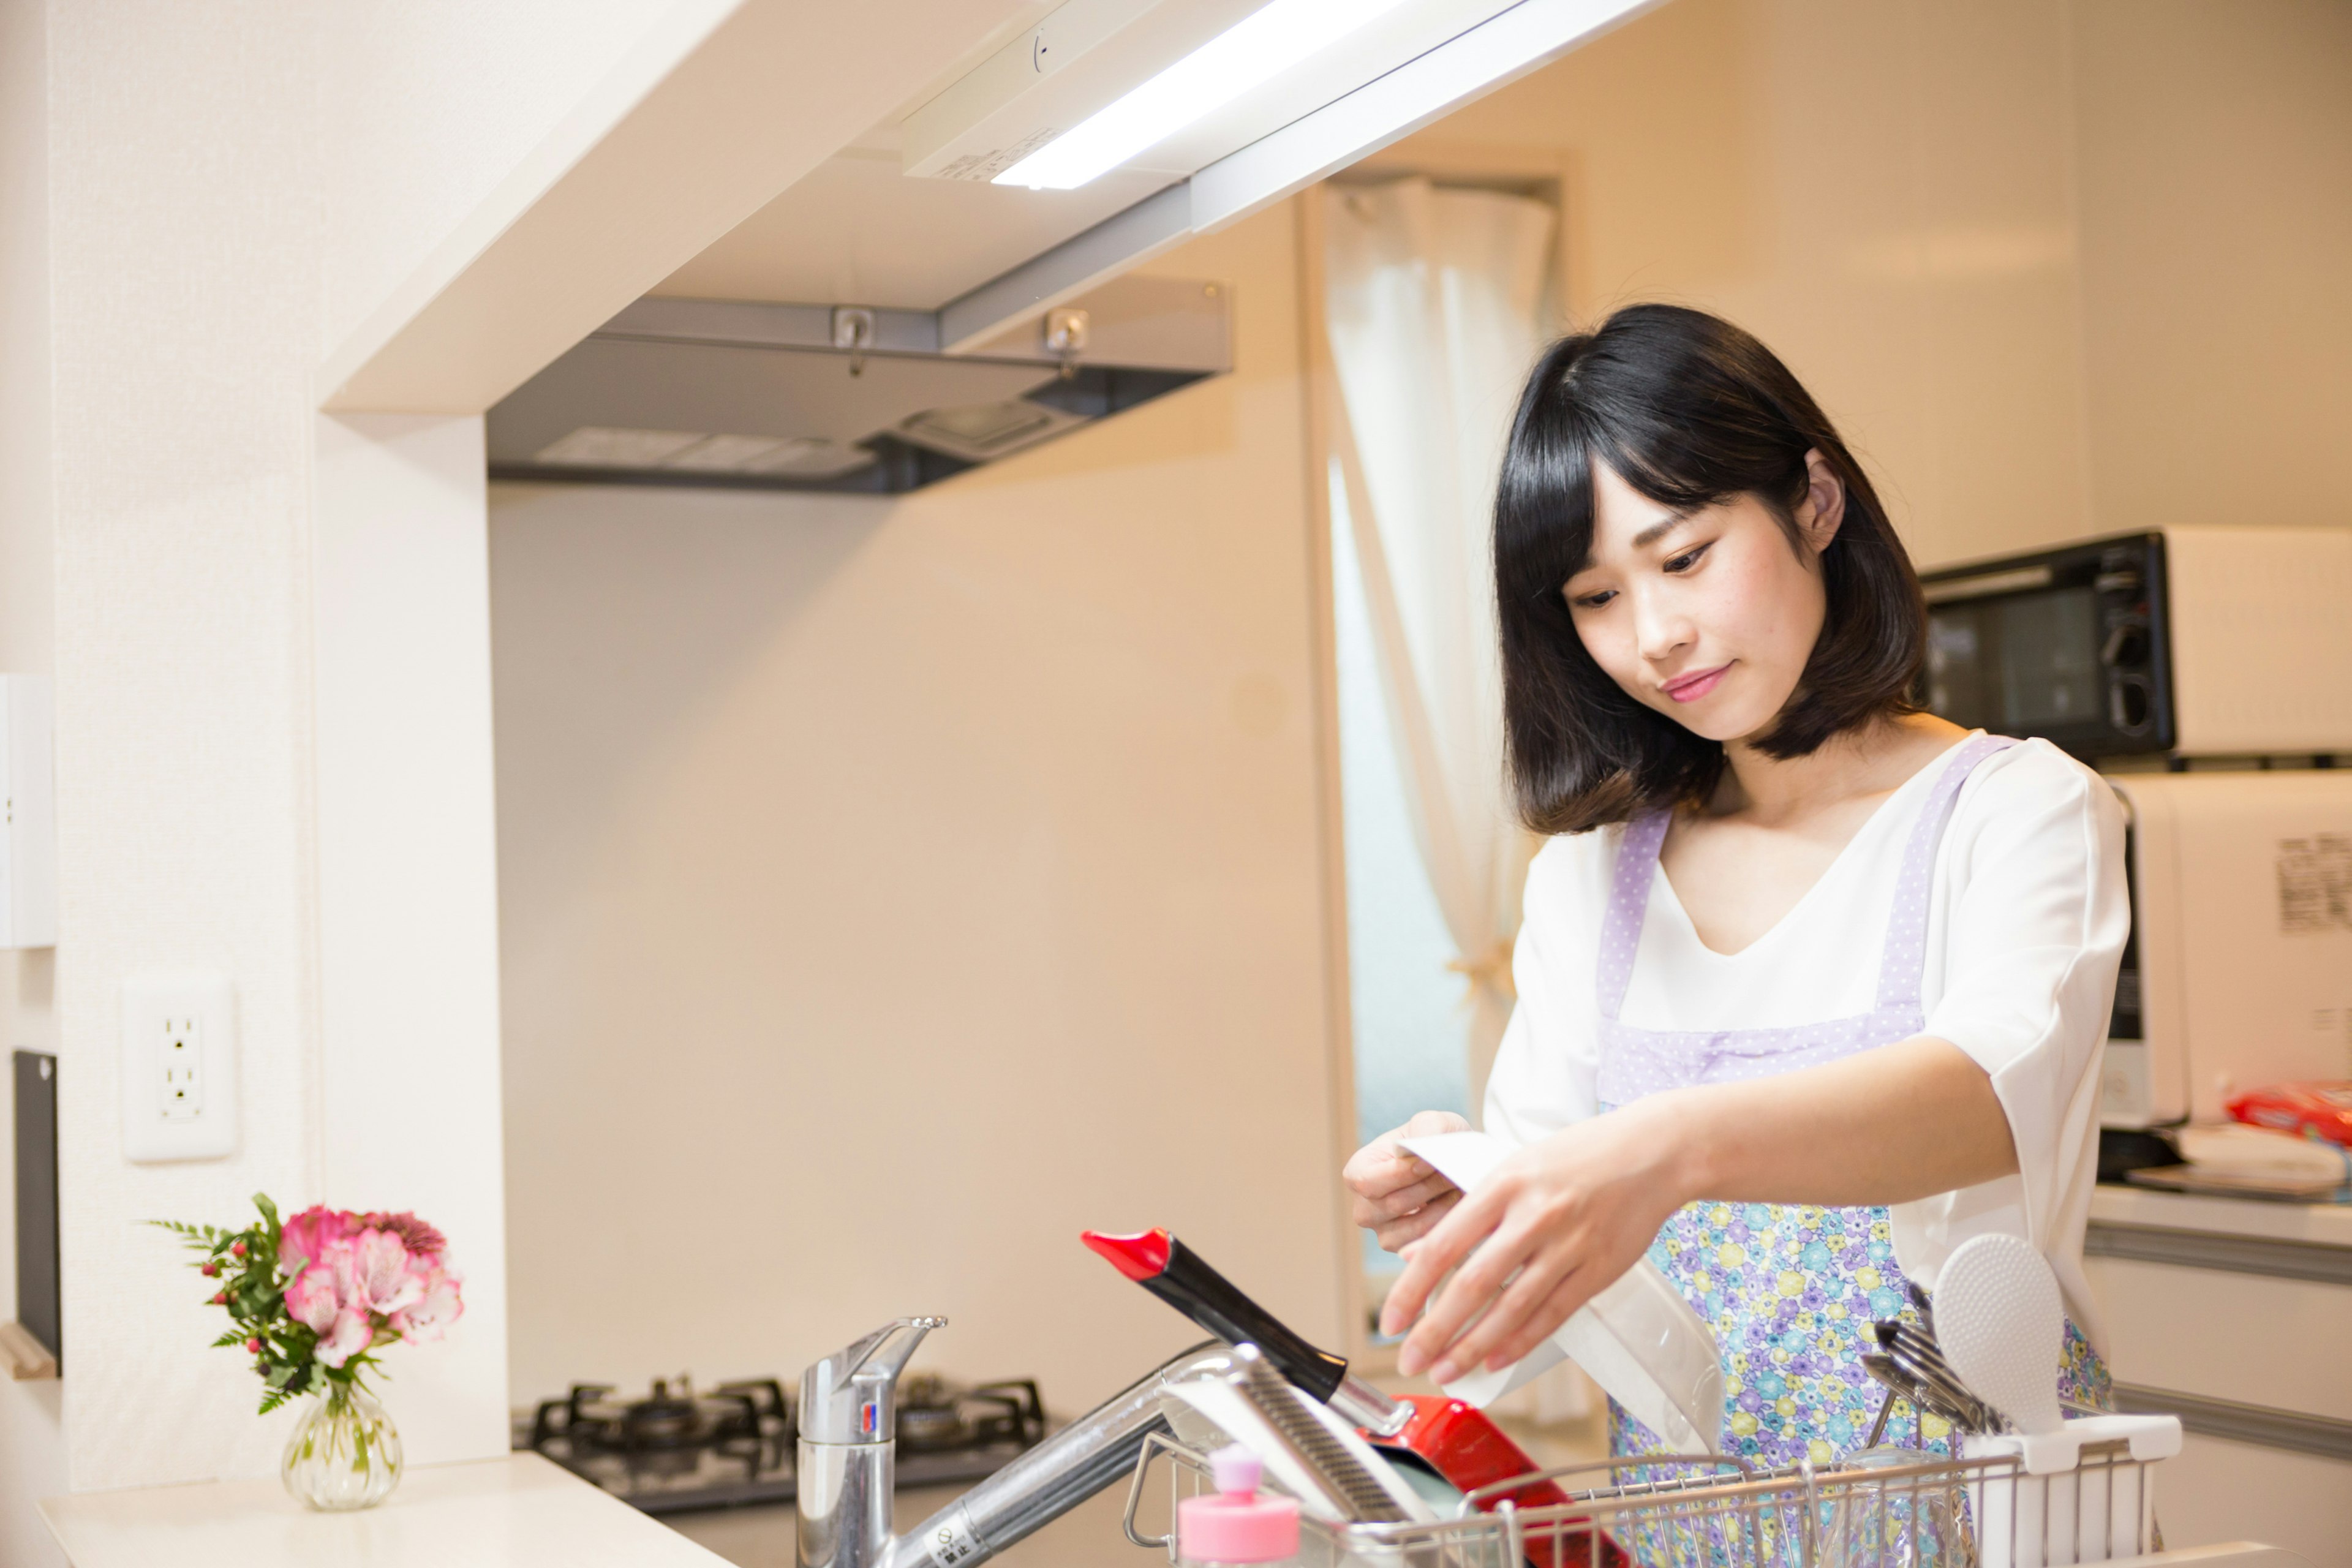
(1460, 1442)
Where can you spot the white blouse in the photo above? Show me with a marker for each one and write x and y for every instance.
(2026, 922)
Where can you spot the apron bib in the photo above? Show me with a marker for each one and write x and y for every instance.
(1790, 1289)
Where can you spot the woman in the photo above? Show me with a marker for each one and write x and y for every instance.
(1813, 985)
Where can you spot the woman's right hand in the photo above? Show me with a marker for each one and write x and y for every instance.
(1399, 1197)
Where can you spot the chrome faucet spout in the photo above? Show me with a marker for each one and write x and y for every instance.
(1094, 1452)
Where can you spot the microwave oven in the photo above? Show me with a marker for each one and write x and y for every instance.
(2199, 641)
(2238, 971)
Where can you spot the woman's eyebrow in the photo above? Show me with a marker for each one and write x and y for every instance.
(1660, 528)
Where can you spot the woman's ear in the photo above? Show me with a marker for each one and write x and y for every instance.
(1823, 506)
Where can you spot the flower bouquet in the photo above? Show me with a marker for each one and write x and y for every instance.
(311, 1299)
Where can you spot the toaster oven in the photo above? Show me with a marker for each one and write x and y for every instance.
(2200, 641)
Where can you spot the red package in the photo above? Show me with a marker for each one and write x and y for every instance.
(2311, 1110)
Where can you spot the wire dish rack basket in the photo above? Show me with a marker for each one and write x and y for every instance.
(1879, 1509)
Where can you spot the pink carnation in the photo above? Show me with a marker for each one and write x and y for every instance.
(414, 1234)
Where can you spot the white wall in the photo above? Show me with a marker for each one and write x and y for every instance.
(408, 882)
(258, 620)
(425, 104)
(891, 889)
(32, 1433)
(186, 193)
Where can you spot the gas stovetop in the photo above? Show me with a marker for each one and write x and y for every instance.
(732, 1446)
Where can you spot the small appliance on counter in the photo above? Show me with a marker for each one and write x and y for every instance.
(676, 1449)
(2200, 667)
(2212, 641)
(2237, 972)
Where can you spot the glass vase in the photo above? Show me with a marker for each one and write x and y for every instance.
(343, 1454)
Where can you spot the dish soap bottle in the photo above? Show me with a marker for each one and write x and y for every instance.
(1238, 1523)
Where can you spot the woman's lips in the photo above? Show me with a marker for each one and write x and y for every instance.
(1691, 688)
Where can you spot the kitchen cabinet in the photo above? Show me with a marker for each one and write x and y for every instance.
(2237, 1316)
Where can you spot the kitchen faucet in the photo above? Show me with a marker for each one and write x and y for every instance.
(848, 1461)
(849, 1446)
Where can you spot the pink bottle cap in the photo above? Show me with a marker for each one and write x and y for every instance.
(1238, 1524)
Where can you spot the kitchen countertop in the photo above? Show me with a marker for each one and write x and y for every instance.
(491, 1514)
(2318, 1225)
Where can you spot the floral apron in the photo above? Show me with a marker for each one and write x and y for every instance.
(1790, 1289)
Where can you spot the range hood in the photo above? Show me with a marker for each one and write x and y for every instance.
(844, 398)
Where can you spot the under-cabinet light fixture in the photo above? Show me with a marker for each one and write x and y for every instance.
(1255, 49)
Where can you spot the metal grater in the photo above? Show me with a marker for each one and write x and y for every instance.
(1349, 1485)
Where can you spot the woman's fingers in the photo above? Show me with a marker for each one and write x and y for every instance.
(1388, 1183)
(1396, 1235)
(1404, 1200)
(1426, 1263)
(1571, 1292)
(1375, 1172)
(1463, 1301)
(1469, 1245)
(1507, 1316)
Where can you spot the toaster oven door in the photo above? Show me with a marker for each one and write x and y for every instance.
(2068, 645)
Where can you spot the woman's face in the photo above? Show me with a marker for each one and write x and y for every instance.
(1708, 616)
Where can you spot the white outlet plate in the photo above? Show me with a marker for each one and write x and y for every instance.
(179, 1065)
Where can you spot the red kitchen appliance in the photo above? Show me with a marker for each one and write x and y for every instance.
(1458, 1441)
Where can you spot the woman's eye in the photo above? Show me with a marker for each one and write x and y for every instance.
(1688, 558)
(1592, 601)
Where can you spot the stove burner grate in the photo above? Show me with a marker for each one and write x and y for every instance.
(676, 1450)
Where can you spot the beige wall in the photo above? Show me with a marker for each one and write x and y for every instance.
(2054, 266)
(1878, 191)
(2216, 155)
(892, 889)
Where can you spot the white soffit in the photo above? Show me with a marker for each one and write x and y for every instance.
(721, 104)
(857, 231)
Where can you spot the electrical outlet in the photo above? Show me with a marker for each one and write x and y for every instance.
(179, 1065)
(182, 1091)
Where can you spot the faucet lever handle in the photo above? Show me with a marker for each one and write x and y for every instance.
(891, 1363)
(850, 1396)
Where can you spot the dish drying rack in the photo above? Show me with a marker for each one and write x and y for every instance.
(1714, 1511)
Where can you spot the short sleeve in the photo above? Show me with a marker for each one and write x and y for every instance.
(1544, 1070)
(2035, 911)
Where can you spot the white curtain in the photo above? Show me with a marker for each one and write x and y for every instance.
(1434, 308)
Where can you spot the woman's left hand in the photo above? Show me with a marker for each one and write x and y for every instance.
(1556, 1223)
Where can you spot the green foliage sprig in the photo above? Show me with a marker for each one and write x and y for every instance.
(245, 1264)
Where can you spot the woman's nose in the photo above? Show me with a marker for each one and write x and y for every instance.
(1660, 629)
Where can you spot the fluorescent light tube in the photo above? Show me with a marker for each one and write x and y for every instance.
(1259, 48)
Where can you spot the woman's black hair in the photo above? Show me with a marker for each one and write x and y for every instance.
(1690, 411)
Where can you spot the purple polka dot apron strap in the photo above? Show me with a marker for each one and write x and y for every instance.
(1629, 904)
(1902, 964)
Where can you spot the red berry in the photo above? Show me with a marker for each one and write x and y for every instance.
(252, 1345)
(237, 1248)
(221, 1299)
(209, 1270)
